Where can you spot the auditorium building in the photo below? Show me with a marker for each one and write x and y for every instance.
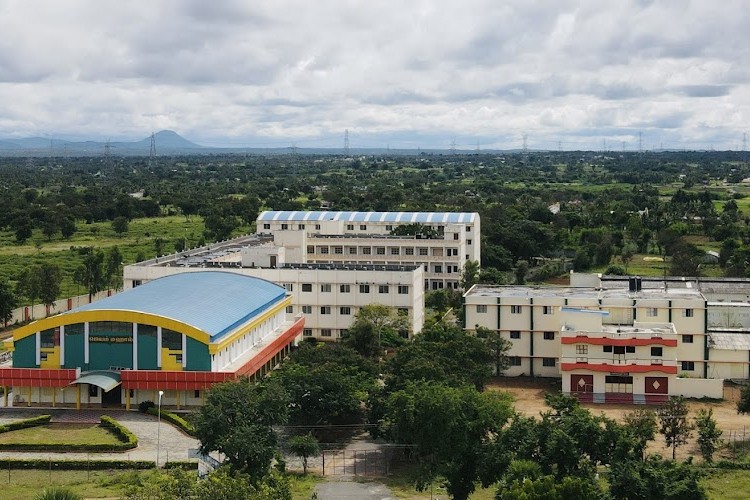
(178, 334)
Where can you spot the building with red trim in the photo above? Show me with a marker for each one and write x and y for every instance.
(179, 334)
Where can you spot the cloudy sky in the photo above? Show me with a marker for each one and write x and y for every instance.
(405, 74)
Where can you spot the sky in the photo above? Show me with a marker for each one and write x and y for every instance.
(489, 74)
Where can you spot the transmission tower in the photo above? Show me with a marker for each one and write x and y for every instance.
(107, 153)
(525, 147)
(640, 142)
(559, 145)
(744, 146)
(453, 146)
(152, 152)
(346, 142)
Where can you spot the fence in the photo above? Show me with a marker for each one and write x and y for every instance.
(38, 311)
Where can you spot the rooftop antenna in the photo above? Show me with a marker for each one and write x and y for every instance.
(152, 151)
(346, 142)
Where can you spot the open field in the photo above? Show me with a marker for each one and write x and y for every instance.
(26, 484)
(60, 434)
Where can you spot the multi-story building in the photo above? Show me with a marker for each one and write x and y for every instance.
(533, 319)
(328, 296)
(366, 238)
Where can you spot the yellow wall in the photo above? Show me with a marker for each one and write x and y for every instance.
(168, 361)
(53, 357)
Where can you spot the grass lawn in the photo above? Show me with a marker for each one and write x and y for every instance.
(60, 434)
(728, 484)
(303, 485)
(26, 484)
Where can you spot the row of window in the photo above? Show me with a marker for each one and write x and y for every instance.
(517, 309)
(346, 288)
(339, 250)
(516, 361)
(584, 349)
(349, 227)
(343, 310)
(516, 334)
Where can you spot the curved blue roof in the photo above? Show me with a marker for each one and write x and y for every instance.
(216, 302)
(402, 217)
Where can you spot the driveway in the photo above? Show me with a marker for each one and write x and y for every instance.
(349, 490)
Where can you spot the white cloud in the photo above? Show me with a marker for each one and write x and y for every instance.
(412, 72)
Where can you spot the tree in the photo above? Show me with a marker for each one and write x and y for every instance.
(304, 446)
(522, 269)
(159, 246)
(375, 326)
(91, 274)
(655, 479)
(113, 268)
(23, 228)
(642, 426)
(674, 424)
(237, 421)
(448, 427)
(498, 347)
(120, 224)
(28, 286)
(709, 434)
(67, 227)
(50, 278)
(469, 274)
(8, 302)
(743, 405)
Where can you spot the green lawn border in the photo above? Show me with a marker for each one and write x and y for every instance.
(26, 423)
(127, 439)
(174, 419)
(41, 463)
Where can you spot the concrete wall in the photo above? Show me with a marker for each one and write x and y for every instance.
(698, 388)
(39, 311)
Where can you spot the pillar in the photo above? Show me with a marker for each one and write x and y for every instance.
(177, 397)
(78, 396)
(127, 399)
(54, 396)
(5, 395)
(28, 400)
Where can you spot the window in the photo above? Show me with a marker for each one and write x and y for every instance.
(171, 340)
(300, 226)
(352, 250)
(395, 251)
(514, 360)
(687, 313)
(657, 351)
(307, 332)
(468, 242)
(338, 250)
(93, 391)
(345, 288)
(325, 310)
(515, 334)
(196, 394)
(364, 288)
(289, 287)
(468, 229)
(389, 227)
(323, 249)
(266, 226)
(548, 310)
(380, 250)
(383, 288)
(438, 268)
(455, 236)
(607, 348)
(285, 226)
(350, 227)
(310, 249)
(345, 310)
(688, 366)
(325, 288)
(549, 361)
(325, 332)
(306, 309)
(481, 309)
(652, 312)
(366, 251)
(317, 226)
(409, 251)
(687, 339)
(549, 335)
(403, 289)
(343, 332)
(515, 309)
(307, 287)
(362, 227)
(422, 251)
(582, 349)
(290, 309)
(630, 349)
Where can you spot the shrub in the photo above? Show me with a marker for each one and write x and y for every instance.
(40, 463)
(57, 494)
(175, 419)
(144, 406)
(126, 438)
(24, 424)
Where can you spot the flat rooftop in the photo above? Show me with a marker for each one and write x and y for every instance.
(531, 291)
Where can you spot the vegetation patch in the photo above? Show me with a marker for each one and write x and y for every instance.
(174, 419)
(25, 424)
(108, 436)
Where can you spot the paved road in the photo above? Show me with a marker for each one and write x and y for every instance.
(341, 490)
(173, 442)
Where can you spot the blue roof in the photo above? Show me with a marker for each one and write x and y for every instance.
(215, 302)
(403, 217)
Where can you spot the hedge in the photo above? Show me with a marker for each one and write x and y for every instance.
(189, 466)
(25, 424)
(40, 463)
(175, 419)
(127, 439)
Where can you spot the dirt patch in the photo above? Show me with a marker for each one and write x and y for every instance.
(529, 400)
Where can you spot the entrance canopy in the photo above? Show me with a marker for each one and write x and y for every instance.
(105, 379)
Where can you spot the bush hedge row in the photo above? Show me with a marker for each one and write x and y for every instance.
(40, 463)
(25, 424)
(127, 439)
(175, 419)
(189, 466)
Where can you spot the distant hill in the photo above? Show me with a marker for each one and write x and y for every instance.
(166, 141)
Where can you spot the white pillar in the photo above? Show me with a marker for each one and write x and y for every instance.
(158, 347)
(86, 342)
(38, 348)
(184, 351)
(135, 346)
(62, 346)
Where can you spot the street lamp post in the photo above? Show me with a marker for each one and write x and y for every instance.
(158, 427)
